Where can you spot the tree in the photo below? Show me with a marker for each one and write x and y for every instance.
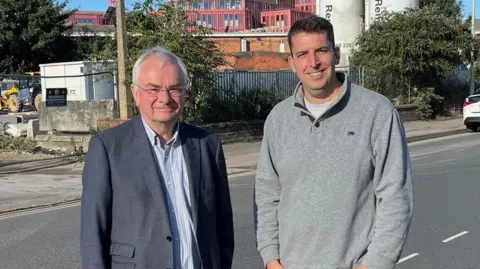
(477, 75)
(32, 32)
(449, 7)
(154, 23)
(90, 45)
(413, 49)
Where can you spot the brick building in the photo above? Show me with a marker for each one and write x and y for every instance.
(223, 15)
(248, 42)
(282, 17)
(240, 15)
(254, 50)
(252, 32)
(257, 61)
(90, 18)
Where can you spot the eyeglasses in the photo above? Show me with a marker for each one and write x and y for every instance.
(175, 91)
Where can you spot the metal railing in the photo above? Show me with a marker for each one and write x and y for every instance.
(283, 81)
(235, 82)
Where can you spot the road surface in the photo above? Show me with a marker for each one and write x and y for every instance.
(445, 232)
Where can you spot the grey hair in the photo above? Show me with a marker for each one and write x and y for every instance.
(163, 55)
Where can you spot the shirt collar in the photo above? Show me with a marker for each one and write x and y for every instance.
(153, 137)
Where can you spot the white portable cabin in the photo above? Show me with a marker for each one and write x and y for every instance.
(78, 79)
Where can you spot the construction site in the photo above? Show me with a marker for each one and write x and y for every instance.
(34, 105)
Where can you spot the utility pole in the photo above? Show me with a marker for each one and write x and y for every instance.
(472, 64)
(121, 52)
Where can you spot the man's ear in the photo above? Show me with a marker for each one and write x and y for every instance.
(337, 54)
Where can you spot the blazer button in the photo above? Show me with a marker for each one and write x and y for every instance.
(169, 238)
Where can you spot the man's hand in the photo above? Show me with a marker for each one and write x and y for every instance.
(361, 267)
(275, 264)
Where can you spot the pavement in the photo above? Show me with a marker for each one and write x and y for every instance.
(445, 230)
(50, 182)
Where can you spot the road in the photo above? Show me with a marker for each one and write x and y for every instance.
(445, 232)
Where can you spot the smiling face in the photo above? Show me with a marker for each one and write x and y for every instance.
(155, 103)
(314, 58)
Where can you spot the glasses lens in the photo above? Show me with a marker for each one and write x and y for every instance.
(177, 90)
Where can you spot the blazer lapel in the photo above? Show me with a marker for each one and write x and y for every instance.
(191, 153)
(149, 167)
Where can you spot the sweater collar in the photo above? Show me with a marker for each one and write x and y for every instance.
(298, 95)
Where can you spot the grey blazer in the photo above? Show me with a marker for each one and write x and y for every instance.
(124, 217)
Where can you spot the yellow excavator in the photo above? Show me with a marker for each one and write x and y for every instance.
(9, 98)
(15, 93)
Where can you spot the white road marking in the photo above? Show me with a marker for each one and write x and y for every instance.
(455, 236)
(38, 210)
(407, 258)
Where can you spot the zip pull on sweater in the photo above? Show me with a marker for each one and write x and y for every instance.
(335, 194)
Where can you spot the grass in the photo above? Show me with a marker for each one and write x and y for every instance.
(17, 143)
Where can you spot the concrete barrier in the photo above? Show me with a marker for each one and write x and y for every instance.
(33, 128)
(407, 112)
(77, 116)
(15, 124)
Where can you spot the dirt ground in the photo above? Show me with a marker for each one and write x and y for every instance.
(22, 162)
(13, 156)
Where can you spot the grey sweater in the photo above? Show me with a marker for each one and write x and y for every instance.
(336, 191)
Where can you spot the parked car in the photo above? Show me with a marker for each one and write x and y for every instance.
(471, 111)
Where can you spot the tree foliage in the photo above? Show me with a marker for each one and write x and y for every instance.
(416, 48)
(32, 32)
(451, 8)
(154, 23)
(88, 45)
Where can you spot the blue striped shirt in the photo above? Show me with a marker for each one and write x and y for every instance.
(174, 171)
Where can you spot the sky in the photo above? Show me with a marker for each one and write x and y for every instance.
(101, 5)
(467, 8)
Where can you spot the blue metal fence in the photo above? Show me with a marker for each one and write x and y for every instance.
(245, 95)
(283, 82)
(235, 82)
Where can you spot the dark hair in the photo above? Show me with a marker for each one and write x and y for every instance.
(312, 24)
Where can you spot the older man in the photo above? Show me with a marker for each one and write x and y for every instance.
(155, 190)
